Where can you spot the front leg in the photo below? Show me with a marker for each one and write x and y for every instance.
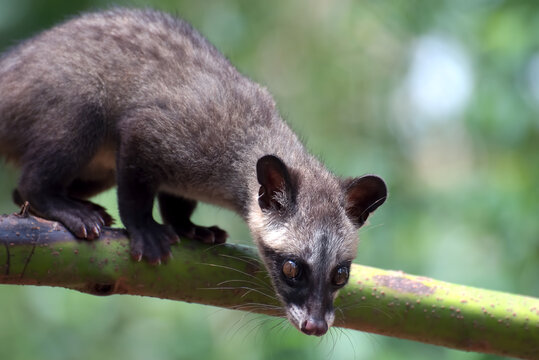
(136, 193)
(177, 212)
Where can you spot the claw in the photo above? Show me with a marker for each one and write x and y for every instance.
(137, 256)
(165, 258)
(82, 233)
(155, 262)
(219, 235)
(94, 233)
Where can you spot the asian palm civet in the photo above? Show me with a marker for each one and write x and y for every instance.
(140, 99)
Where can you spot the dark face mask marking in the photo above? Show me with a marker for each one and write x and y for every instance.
(309, 288)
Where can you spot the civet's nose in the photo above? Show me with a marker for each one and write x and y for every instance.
(313, 326)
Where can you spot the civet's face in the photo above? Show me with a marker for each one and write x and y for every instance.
(307, 237)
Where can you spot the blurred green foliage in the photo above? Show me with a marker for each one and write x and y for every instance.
(441, 98)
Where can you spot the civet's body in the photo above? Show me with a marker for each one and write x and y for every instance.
(140, 99)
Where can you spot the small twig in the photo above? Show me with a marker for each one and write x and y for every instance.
(24, 210)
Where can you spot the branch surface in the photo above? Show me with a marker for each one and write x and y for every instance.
(34, 251)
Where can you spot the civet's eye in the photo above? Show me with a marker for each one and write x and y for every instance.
(341, 276)
(291, 269)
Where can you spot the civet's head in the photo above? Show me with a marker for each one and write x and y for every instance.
(305, 225)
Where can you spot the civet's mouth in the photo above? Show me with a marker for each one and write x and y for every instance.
(310, 324)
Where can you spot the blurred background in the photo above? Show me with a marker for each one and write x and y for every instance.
(440, 98)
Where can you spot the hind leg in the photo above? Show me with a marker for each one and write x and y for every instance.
(176, 211)
(79, 190)
(93, 207)
(86, 188)
(83, 218)
(51, 163)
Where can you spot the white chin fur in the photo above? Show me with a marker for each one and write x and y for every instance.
(297, 315)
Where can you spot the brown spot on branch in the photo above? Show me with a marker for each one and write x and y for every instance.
(403, 284)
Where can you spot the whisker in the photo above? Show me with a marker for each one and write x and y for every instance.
(245, 259)
(213, 246)
(370, 227)
(346, 334)
(257, 304)
(333, 341)
(262, 320)
(279, 325)
(253, 307)
(244, 281)
(240, 287)
(246, 245)
(341, 313)
(245, 323)
(236, 325)
(250, 261)
(249, 312)
(236, 270)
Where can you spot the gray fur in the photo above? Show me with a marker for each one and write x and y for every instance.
(109, 92)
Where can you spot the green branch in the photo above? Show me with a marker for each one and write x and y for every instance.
(39, 252)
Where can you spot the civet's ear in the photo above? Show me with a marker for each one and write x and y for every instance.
(364, 195)
(275, 184)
